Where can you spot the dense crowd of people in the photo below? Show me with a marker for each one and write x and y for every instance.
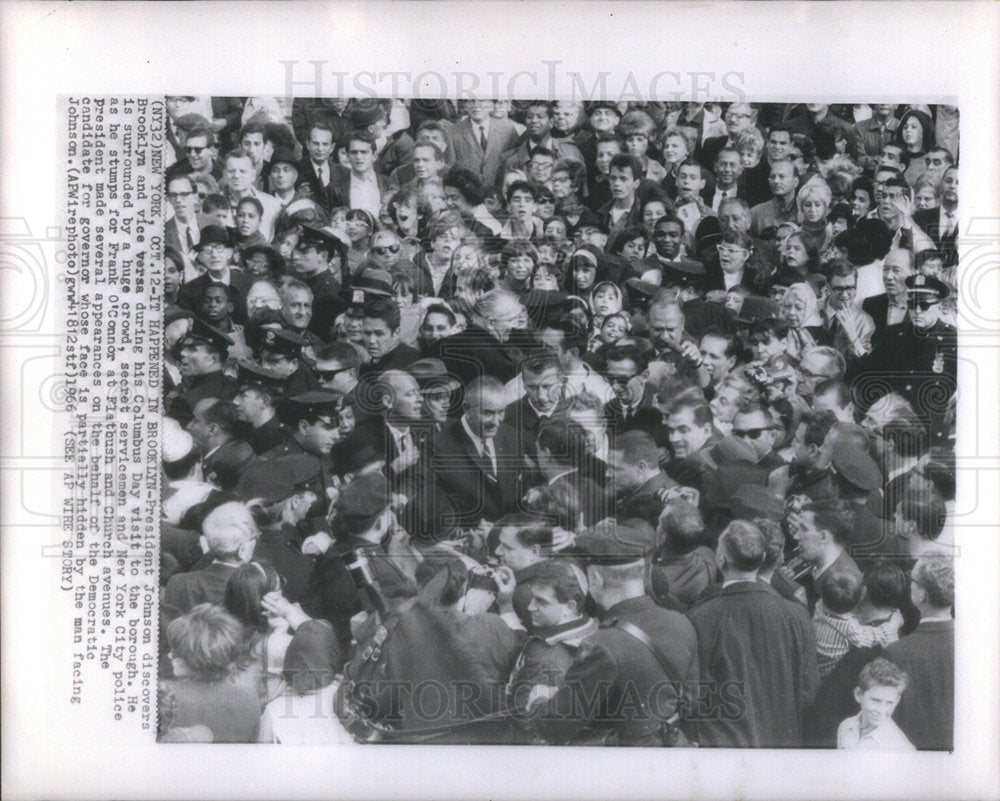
(528, 422)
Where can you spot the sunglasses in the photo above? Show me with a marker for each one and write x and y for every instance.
(195, 151)
(329, 375)
(923, 305)
(750, 433)
(619, 379)
(382, 250)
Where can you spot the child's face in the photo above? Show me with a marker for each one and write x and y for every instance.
(612, 330)
(877, 704)
(734, 302)
(607, 302)
(519, 268)
(223, 217)
(247, 220)
(556, 231)
(215, 305)
(544, 280)
(546, 254)
(634, 249)
(583, 275)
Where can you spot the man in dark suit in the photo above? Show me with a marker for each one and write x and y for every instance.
(941, 224)
(751, 637)
(633, 406)
(926, 712)
(889, 308)
(182, 232)
(316, 168)
(480, 141)
(216, 427)
(476, 460)
(544, 390)
(215, 251)
(823, 530)
(230, 533)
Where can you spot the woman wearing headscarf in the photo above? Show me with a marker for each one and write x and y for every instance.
(800, 309)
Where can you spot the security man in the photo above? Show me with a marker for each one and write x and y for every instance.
(631, 676)
(256, 403)
(200, 356)
(284, 485)
(919, 357)
(313, 428)
(280, 351)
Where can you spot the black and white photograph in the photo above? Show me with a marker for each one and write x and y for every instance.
(446, 379)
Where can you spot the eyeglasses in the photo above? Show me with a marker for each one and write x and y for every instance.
(844, 290)
(214, 247)
(730, 250)
(619, 379)
(179, 195)
(329, 375)
(751, 433)
(382, 250)
(923, 305)
(195, 151)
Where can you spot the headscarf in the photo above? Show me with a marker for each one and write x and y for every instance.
(799, 339)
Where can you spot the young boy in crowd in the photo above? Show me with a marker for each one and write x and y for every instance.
(880, 686)
(216, 308)
(837, 627)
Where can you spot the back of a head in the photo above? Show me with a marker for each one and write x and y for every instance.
(887, 584)
(563, 440)
(935, 574)
(774, 542)
(208, 639)
(638, 446)
(834, 516)
(682, 526)
(841, 590)
(925, 508)
(227, 528)
(742, 545)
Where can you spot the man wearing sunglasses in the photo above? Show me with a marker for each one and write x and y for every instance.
(754, 425)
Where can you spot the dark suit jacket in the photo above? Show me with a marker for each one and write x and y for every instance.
(877, 307)
(185, 591)
(467, 479)
(475, 352)
(926, 713)
(928, 221)
(752, 638)
(646, 417)
(502, 136)
(327, 196)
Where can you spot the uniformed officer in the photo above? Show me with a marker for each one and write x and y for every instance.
(284, 486)
(918, 358)
(256, 402)
(280, 351)
(628, 678)
(313, 429)
(201, 353)
(320, 261)
(364, 521)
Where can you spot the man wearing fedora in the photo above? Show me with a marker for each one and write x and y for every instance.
(215, 252)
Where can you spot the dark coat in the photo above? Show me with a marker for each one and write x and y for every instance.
(502, 136)
(644, 501)
(928, 221)
(267, 436)
(618, 684)
(475, 352)
(399, 358)
(185, 591)
(467, 478)
(759, 653)
(282, 547)
(926, 713)
(332, 595)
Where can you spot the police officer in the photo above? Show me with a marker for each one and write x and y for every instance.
(919, 357)
(318, 260)
(364, 521)
(256, 403)
(280, 351)
(313, 428)
(624, 684)
(200, 355)
(284, 486)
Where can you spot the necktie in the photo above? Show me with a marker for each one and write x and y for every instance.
(482, 138)
(322, 175)
(190, 239)
(404, 442)
(490, 456)
(949, 222)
